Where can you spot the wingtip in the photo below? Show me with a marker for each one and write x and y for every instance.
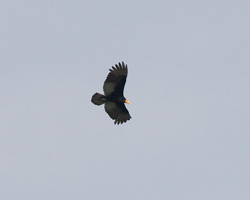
(119, 69)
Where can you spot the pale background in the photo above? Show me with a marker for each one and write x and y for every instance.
(188, 84)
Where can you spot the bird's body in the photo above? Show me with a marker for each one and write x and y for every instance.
(113, 94)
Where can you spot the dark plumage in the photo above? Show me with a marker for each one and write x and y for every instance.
(113, 98)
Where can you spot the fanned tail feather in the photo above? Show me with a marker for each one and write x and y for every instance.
(98, 99)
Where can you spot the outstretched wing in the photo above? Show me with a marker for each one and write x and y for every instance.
(117, 112)
(116, 79)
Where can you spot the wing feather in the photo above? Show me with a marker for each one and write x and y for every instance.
(117, 112)
(116, 79)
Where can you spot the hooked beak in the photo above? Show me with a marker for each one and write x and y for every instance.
(126, 101)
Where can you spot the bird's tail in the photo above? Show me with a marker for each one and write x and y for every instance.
(98, 99)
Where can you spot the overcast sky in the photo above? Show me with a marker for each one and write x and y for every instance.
(188, 85)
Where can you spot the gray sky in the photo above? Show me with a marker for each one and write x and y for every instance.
(188, 84)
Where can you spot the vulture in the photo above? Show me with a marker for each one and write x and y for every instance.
(113, 98)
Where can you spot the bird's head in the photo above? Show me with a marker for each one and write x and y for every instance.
(123, 100)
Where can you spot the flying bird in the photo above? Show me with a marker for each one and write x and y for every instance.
(113, 98)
